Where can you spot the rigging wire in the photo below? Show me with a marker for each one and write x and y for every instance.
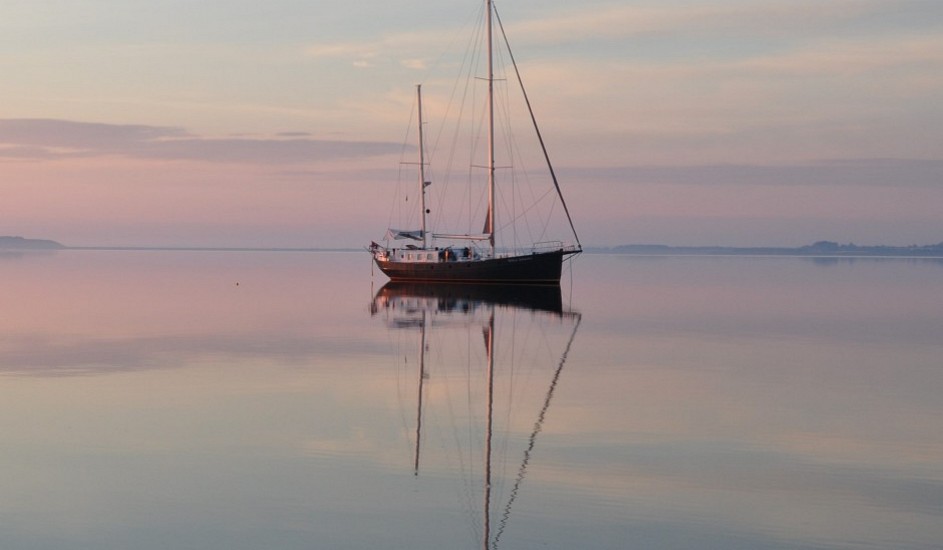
(537, 129)
(398, 206)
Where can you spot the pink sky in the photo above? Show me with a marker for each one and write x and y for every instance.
(734, 123)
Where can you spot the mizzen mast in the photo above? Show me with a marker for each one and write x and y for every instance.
(422, 170)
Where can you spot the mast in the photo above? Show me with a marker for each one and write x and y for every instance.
(422, 377)
(490, 225)
(489, 341)
(422, 169)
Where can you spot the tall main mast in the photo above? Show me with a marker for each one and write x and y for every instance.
(490, 226)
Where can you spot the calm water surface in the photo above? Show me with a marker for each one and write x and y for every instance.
(229, 400)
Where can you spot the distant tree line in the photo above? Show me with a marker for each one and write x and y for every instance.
(820, 248)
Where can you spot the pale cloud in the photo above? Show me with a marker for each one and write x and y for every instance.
(360, 55)
(392, 41)
(339, 49)
(417, 64)
(49, 139)
(894, 173)
(412, 50)
(80, 135)
(745, 17)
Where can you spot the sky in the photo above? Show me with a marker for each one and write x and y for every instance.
(281, 123)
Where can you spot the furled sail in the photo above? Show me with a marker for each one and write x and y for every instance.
(400, 234)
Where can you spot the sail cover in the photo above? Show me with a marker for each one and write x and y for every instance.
(399, 234)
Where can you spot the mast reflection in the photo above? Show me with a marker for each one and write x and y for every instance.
(495, 310)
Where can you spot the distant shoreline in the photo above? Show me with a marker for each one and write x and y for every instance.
(818, 249)
(19, 243)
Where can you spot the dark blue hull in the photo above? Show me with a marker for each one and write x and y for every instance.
(537, 268)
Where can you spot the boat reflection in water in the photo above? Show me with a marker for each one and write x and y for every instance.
(487, 360)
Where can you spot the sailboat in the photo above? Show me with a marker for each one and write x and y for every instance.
(457, 309)
(475, 258)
